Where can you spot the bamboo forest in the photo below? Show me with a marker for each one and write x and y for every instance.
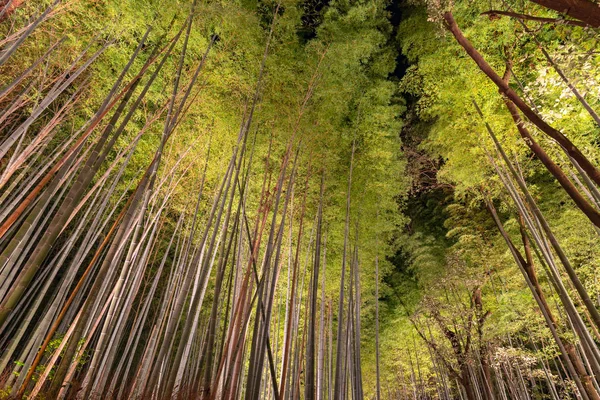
(300, 199)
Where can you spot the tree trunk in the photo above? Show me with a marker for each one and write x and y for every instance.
(583, 10)
(465, 381)
(590, 212)
(505, 89)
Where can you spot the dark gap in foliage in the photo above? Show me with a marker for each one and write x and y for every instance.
(266, 11)
(396, 16)
(401, 279)
(426, 203)
(312, 18)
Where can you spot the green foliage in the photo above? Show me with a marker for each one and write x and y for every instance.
(422, 159)
(451, 239)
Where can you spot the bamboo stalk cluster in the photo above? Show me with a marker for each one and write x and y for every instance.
(469, 360)
(107, 292)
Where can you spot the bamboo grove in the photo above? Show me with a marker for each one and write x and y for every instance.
(516, 181)
(299, 199)
(165, 227)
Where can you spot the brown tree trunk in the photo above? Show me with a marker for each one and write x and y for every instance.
(487, 374)
(529, 269)
(590, 212)
(559, 137)
(7, 7)
(586, 379)
(525, 17)
(465, 381)
(583, 10)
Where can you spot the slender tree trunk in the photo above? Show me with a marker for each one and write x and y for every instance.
(339, 360)
(309, 382)
(377, 374)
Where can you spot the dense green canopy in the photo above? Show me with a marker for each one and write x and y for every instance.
(299, 199)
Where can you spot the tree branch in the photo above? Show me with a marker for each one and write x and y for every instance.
(583, 10)
(436, 350)
(496, 13)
